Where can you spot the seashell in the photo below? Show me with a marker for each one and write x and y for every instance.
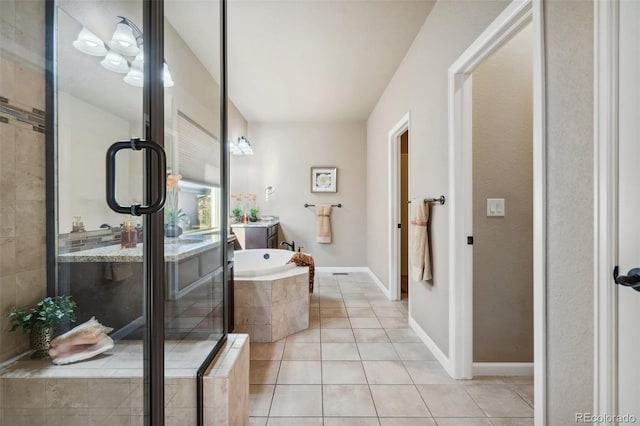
(82, 342)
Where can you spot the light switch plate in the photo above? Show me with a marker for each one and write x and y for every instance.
(495, 207)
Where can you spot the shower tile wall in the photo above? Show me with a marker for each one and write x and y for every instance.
(22, 164)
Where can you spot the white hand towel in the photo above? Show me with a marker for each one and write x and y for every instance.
(323, 223)
(419, 241)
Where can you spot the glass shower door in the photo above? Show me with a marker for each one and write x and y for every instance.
(109, 246)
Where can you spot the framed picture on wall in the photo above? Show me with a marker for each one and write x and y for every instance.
(324, 179)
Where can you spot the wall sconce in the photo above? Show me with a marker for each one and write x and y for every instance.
(126, 41)
(242, 147)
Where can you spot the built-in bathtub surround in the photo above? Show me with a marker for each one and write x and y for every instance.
(22, 164)
(272, 304)
(107, 390)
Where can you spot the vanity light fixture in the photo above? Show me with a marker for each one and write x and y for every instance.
(127, 41)
(89, 43)
(115, 62)
(125, 38)
(244, 146)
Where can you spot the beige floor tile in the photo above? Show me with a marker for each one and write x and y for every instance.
(343, 373)
(329, 322)
(428, 373)
(525, 391)
(258, 421)
(260, 399)
(398, 401)
(403, 335)
(301, 351)
(263, 372)
(449, 401)
(351, 421)
(311, 335)
(300, 373)
(336, 335)
(499, 401)
(386, 373)
(356, 302)
(463, 422)
(332, 312)
(522, 380)
(393, 322)
(347, 401)
(392, 312)
(365, 323)
(422, 421)
(413, 352)
(513, 422)
(361, 312)
(295, 421)
(297, 401)
(340, 352)
(326, 303)
(314, 322)
(370, 335)
(267, 351)
(377, 351)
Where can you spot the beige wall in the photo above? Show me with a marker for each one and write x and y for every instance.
(22, 167)
(419, 86)
(569, 115)
(284, 154)
(503, 168)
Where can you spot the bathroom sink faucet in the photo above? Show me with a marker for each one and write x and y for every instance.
(291, 245)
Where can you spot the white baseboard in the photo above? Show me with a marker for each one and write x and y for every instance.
(376, 280)
(503, 369)
(431, 345)
(331, 269)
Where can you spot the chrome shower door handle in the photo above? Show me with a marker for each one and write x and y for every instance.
(136, 145)
(632, 279)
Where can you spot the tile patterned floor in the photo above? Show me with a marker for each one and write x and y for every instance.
(360, 365)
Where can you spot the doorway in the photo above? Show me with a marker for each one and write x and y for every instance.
(404, 215)
(399, 147)
(502, 200)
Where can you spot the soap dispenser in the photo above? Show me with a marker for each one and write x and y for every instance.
(77, 225)
(128, 233)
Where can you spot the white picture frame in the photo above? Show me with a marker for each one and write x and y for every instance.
(324, 179)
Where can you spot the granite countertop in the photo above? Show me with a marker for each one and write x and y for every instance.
(258, 224)
(174, 250)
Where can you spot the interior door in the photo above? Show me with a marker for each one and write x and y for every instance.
(629, 209)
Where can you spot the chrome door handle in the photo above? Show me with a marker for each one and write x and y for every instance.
(136, 145)
(632, 279)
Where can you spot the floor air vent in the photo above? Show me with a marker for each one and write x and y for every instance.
(340, 273)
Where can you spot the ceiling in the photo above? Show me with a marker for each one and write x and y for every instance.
(288, 61)
(305, 60)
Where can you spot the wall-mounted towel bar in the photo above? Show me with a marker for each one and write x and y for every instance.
(439, 200)
(332, 205)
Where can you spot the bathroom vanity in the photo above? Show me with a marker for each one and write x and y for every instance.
(105, 281)
(255, 235)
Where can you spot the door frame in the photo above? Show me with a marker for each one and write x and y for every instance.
(605, 116)
(514, 18)
(396, 131)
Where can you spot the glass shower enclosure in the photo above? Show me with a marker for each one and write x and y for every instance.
(138, 236)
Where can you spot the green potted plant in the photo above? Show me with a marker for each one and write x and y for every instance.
(40, 320)
(253, 217)
(237, 214)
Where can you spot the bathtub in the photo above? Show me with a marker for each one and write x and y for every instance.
(270, 297)
(261, 262)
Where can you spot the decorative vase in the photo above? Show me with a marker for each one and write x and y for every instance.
(40, 341)
(253, 218)
(172, 230)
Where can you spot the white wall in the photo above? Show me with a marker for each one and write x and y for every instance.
(419, 86)
(284, 154)
(569, 115)
(85, 132)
